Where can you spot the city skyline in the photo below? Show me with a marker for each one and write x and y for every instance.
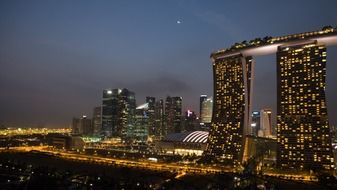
(156, 56)
(181, 94)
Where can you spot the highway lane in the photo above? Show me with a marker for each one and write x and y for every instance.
(141, 164)
(179, 168)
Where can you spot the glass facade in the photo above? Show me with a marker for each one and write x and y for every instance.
(173, 113)
(150, 112)
(97, 120)
(159, 119)
(118, 112)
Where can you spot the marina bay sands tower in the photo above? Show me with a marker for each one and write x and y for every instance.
(303, 134)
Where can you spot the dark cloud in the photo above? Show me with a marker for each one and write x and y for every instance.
(57, 57)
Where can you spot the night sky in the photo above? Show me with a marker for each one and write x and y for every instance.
(56, 57)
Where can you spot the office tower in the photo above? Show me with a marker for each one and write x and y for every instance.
(97, 120)
(85, 126)
(190, 121)
(206, 109)
(202, 99)
(150, 112)
(140, 130)
(159, 119)
(75, 126)
(255, 125)
(232, 83)
(173, 113)
(82, 126)
(265, 123)
(118, 112)
(303, 133)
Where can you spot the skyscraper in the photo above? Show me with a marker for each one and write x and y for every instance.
(303, 133)
(190, 121)
(206, 109)
(255, 125)
(75, 126)
(150, 112)
(232, 82)
(97, 120)
(118, 112)
(202, 99)
(159, 119)
(265, 123)
(82, 126)
(140, 130)
(173, 113)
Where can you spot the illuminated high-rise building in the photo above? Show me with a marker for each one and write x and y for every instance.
(202, 99)
(173, 113)
(75, 125)
(232, 89)
(206, 108)
(190, 121)
(303, 133)
(82, 126)
(118, 112)
(150, 112)
(255, 125)
(97, 120)
(159, 119)
(140, 129)
(265, 129)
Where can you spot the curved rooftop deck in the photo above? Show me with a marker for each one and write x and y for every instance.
(268, 45)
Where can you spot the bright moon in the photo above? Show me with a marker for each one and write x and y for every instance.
(178, 22)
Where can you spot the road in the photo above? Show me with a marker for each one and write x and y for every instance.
(140, 164)
(179, 168)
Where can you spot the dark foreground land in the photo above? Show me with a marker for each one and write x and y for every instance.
(39, 171)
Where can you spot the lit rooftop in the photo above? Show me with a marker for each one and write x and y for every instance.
(268, 45)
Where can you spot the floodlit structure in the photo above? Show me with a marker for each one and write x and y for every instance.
(303, 137)
(187, 143)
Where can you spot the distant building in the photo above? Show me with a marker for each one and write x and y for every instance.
(150, 112)
(140, 131)
(118, 112)
(202, 99)
(173, 113)
(97, 120)
(159, 119)
(66, 142)
(265, 123)
(206, 109)
(82, 126)
(255, 125)
(75, 125)
(190, 121)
